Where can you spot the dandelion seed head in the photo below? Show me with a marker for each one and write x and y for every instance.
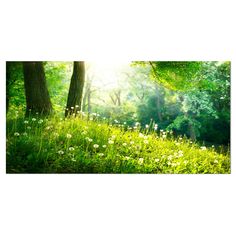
(96, 146)
(68, 136)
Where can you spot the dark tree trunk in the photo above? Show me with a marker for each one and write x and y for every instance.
(191, 131)
(36, 92)
(76, 89)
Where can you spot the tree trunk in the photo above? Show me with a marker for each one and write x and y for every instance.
(76, 89)
(191, 131)
(36, 92)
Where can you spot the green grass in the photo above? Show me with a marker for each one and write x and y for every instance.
(76, 145)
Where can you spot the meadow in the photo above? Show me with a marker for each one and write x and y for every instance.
(94, 144)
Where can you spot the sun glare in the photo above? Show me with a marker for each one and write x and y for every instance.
(107, 74)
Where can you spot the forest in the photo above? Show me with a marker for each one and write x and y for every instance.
(160, 117)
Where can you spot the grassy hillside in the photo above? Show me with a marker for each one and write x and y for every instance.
(78, 145)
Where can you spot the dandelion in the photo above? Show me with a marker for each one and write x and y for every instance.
(25, 134)
(164, 136)
(185, 162)
(100, 154)
(161, 130)
(40, 121)
(140, 161)
(145, 141)
(168, 163)
(104, 146)
(84, 132)
(141, 135)
(16, 134)
(48, 127)
(146, 126)
(99, 125)
(28, 127)
(26, 122)
(127, 158)
(113, 137)
(69, 136)
(203, 148)
(124, 144)
(177, 144)
(125, 123)
(89, 139)
(71, 149)
(180, 138)
(60, 152)
(131, 142)
(216, 161)
(76, 106)
(96, 146)
(110, 142)
(33, 119)
(157, 160)
(72, 108)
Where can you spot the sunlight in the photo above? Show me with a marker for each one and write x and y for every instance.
(107, 74)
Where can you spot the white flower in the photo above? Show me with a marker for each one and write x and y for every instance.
(131, 142)
(71, 149)
(26, 122)
(100, 154)
(141, 135)
(113, 137)
(168, 163)
(72, 108)
(110, 141)
(124, 144)
(203, 148)
(48, 127)
(60, 152)
(40, 121)
(16, 134)
(216, 161)
(156, 160)
(68, 136)
(25, 134)
(84, 132)
(164, 136)
(73, 159)
(146, 126)
(104, 146)
(99, 125)
(33, 119)
(185, 162)
(76, 106)
(125, 123)
(140, 161)
(145, 141)
(127, 158)
(96, 146)
(28, 127)
(89, 139)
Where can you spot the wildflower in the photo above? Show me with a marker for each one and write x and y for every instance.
(145, 141)
(216, 161)
(156, 160)
(212, 146)
(25, 134)
(56, 134)
(49, 127)
(99, 125)
(146, 126)
(16, 134)
(203, 148)
(113, 137)
(168, 163)
(180, 138)
(185, 162)
(125, 123)
(76, 106)
(73, 159)
(40, 121)
(164, 136)
(72, 108)
(69, 136)
(137, 124)
(89, 139)
(96, 146)
(33, 119)
(140, 161)
(71, 149)
(60, 152)
(141, 135)
(110, 141)
(84, 132)
(131, 142)
(104, 146)
(100, 154)
(177, 144)
(28, 127)
(127, 158)
(26, 122)
(124, 144)
(161, 130)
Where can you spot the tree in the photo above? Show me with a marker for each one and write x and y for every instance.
(76, 89)
(36, 92)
